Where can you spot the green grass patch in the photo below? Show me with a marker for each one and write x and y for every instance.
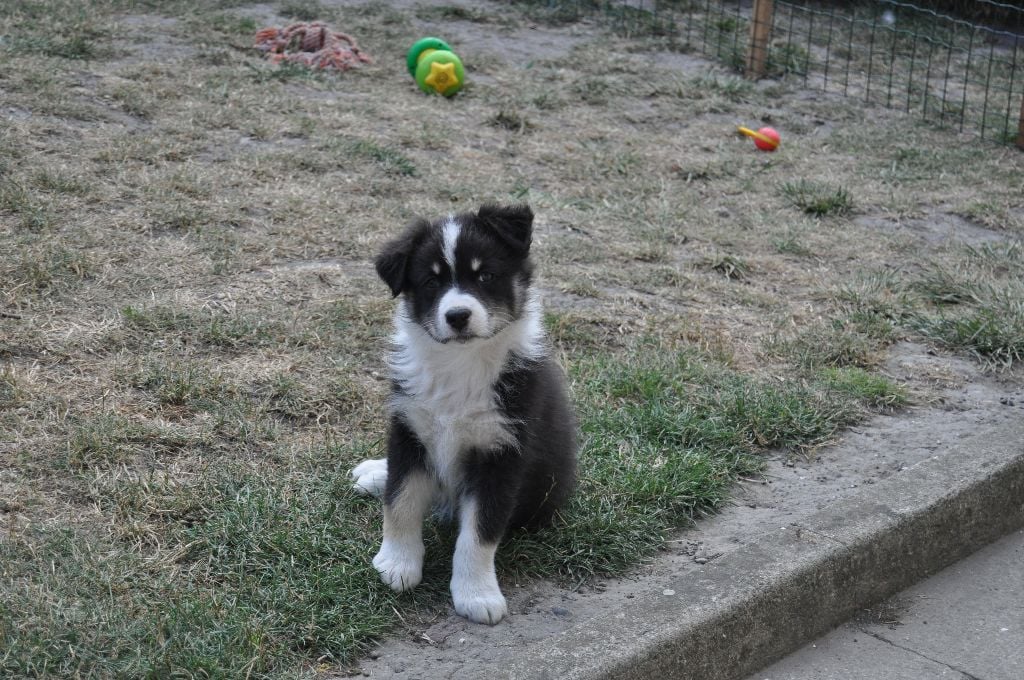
(875, 391)
(941, 286)
(295, 561)
(992, 329)
(273, 575)
(73, 606)
(253, 572)
(976, 304)
(973, 303)
(830, 344)
(789, 243)
(665, 434)
(820, 199)
(184, 384)
(874, 303)
(1000, 259)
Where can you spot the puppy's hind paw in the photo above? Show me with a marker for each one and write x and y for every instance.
(371, 477)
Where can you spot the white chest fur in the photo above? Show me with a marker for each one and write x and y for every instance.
(450, 424)
(447, 395)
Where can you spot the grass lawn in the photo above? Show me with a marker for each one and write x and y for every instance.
(191, 331)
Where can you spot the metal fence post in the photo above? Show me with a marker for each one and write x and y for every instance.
(760, 34)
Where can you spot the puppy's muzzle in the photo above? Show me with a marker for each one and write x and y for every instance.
(458, 318)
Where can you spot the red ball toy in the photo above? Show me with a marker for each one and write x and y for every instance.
(765, 139)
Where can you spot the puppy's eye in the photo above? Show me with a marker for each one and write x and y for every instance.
(432, 283)
(486, 277)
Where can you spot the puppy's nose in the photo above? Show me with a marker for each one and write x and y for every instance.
(458, 317)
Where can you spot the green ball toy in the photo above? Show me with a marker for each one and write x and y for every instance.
(440, 72)
(422, 48)
(435, 67)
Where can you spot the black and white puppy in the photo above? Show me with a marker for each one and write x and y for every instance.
(480, 420)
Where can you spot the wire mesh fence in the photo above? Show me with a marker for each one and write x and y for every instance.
(963, 71)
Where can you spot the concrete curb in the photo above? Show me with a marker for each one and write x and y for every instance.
(768, 598)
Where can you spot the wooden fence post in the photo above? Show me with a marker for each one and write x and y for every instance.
(760, 33)
(1020, 124)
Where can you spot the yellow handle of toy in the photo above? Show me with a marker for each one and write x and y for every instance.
(757, 135)
(424, 53)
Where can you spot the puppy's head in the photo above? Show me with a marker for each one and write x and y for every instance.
(463, 277)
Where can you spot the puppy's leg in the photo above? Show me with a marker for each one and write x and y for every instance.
(400, 559)
(475, 590)
(409, 493)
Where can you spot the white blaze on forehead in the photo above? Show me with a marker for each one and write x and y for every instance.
(450, 233)
(475, 264)
(436, 267)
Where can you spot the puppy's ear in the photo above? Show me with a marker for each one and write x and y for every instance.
(393, 260)
(512, 224)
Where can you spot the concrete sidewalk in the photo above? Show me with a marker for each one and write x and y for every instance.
(965, 623)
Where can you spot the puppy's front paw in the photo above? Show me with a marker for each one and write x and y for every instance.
(479, 602)
(400, 566)
(371, 477)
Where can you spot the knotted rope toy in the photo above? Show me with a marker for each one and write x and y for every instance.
(312, 44)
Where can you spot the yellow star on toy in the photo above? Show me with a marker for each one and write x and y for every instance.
(442, 76)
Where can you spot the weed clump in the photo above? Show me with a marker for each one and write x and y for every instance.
(818, 198)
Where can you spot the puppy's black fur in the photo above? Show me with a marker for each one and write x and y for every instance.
(480, 418)
(519, 483)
